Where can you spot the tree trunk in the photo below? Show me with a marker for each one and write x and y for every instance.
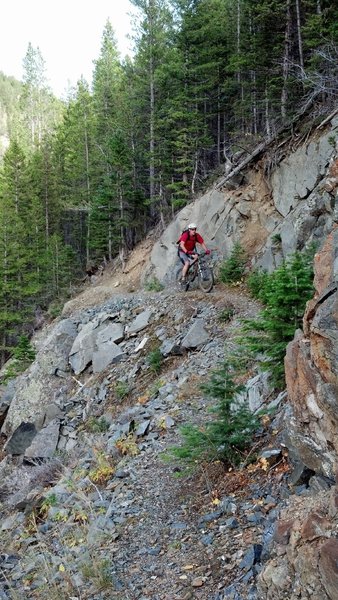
(299, 36)
(218, 129)
(267, 116)
(239, 76)
(88, 223)
(286, 60)
(254, 103)
(152, 132)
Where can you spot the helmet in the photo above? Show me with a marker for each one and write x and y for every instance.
(192, 226)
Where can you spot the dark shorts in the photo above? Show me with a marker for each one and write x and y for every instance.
(185, 257)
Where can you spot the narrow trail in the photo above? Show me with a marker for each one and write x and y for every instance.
(184, 534)
(179, 534)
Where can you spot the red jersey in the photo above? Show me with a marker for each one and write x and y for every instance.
(190, 240)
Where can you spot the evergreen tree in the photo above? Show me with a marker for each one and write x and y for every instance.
(19, 283)
(41, 111)
(231, 430)
(76, 173)
(153, 43)
(284, 293)
(113, 200)
(106, 97)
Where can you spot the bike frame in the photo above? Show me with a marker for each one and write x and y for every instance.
(196, 271)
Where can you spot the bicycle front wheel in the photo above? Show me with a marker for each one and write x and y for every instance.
(206, 279)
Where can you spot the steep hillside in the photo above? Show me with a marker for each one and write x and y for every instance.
(93, 505)
(110, 517)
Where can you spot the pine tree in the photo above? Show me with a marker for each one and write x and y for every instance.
(76, 172)
(19, 282)
(284, 294)
(153, 43)
(40, 109)
(229, 433)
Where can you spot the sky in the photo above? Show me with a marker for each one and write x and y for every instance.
(68, 34)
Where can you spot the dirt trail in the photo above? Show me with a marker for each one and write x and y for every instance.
(112, 280)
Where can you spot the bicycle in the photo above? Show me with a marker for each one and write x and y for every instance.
(202, 271)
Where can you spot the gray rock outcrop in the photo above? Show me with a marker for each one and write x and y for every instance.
(311, 368)
(271, 221)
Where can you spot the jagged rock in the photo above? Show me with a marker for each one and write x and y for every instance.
(311, 367)
(298, 173)
(106, 354)
(96, 344)
(141, 345)
(171, 346)
(113, 332)
(315, 526)
(139, 323)
(328, 567)
(53, 355)
(142, 428)
(45, 442)
(81, 352)
(196, 336)
(257, 390)
(21, 438)
(6, 396)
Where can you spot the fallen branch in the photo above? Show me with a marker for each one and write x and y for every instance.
(264, 145)
(328, 119)
(245, 162)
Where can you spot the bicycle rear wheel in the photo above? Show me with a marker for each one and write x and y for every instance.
(205, 278)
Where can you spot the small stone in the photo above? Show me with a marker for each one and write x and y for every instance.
(197, 582)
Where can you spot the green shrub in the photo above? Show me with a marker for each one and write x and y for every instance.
(55, 309)
(22, 356)
(153, 285)
(95, 425)
(232, 270)
(284, 293)
(154, 360)
(24, 352)
(225, 437)
(256, 281)
(122, 389)
(226, 314)
(276, 239)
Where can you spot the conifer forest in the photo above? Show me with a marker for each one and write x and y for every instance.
(83, 179)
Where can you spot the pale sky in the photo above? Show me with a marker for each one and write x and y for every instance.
(67, 32)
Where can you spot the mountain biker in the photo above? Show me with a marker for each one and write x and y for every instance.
(187, 248)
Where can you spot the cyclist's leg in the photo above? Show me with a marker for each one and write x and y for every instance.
(186, 260)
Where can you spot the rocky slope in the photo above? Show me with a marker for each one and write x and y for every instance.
(87, 499)
(91, 505)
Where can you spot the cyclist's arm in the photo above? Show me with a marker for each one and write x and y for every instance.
(206, 250)
(183, 248)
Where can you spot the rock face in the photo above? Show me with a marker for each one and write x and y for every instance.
(311, 367)
(305, 551)
(304, 557)
(271, 219)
